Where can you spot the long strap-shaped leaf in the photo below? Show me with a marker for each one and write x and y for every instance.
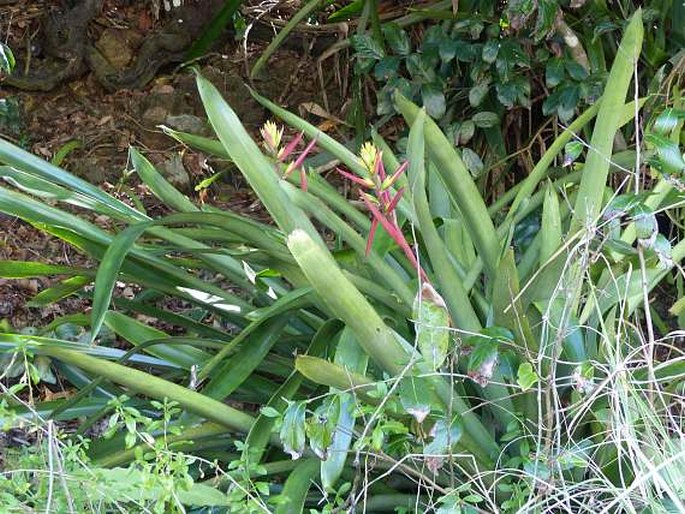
(118, 456)
(239, 366)
(459, 184)
(25, 161)
(452, 288)
(256, 168)
(320, 211)
(335, 148)
(150, 385)
(590, 194)
(373, 335)
(318, 186)
(260, 434)
(302, 14)
(53, 219)
(296, 487)
(349, 354)
(347, 303)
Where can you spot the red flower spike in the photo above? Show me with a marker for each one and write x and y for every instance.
(383, 197)
(393, 203)
(298, 164)
(303, 180)
(304, 153)
(391, 180)
(365, 182)
(289, 170)
(372, 234)
(367, 197)
(285, 152)
(396, 235)
(379, 169)
(391, 229)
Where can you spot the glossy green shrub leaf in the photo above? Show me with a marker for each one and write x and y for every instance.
(269, 412)
(621, 205)
(464, 132)
(490, 51)
(670, 156)
(572, 151)
(513, 92)
(663, 250)
(447, 50)
(548, 10)
(526, 376)
(321, 426)
(415, 396)
(292, 432)
(484, 354)
(432, 325)
(420, 69)
(445, 436)
(569, 97)
(615, 245)
(646, 226)
(387, 68)
(604, 27)
(367, 47)
(478, 93)
(433, 101)
(667, 121)
(473, 162)
(397, 39)
(485, 119)
(575, 70)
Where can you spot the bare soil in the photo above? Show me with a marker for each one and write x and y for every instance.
(105, 124)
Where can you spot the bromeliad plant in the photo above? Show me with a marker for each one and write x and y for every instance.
(426, 342)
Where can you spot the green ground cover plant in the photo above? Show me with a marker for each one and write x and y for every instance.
(493, 75)
(400, 349)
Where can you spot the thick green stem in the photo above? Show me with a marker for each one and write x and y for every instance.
(590, 194)
(460, 186)
(155, 387)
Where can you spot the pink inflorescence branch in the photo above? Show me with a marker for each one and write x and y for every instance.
(381, 201)
(272, 137)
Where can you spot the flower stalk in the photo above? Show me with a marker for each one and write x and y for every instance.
(272, 137)
(381, 202)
